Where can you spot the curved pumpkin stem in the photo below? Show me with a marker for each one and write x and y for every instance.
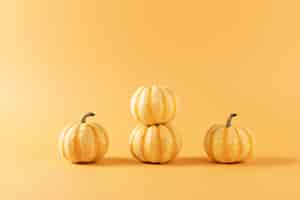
(228, 122)
(84, 117)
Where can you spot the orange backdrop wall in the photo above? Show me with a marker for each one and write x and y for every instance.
(59, 59)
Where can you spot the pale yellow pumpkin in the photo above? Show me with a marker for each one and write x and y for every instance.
(228, 144)
(154, 144)
(153, 105)
(83, 142)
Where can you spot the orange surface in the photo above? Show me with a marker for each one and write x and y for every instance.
(59, 59)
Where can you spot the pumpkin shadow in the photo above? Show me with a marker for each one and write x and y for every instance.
(265, 161)
(190, 161)
(116, 161)
(269, 161)
(181, 161)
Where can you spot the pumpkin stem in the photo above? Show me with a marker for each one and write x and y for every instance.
(228, 123)
(89, 114)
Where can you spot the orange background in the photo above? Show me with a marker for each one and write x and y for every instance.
(59, 59)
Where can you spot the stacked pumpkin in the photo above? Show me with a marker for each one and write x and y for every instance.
(154, 140)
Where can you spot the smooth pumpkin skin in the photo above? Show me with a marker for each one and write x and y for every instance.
(153, 105)
(228, 144)
(83, 142)
(154, 144)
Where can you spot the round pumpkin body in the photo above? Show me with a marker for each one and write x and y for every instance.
(153, 105)
(154, 144)
(83, 142)
(228, 144)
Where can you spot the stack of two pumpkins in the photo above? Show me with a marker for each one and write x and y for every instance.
(154, 140)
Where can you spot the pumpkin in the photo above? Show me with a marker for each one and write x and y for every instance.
(154, 144)
(83, 142)
(228, 144)
(153, 105)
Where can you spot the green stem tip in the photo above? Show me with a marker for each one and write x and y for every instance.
(85, 116)
(228, 123)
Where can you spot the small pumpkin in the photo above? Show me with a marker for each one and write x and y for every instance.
(83, 142)
(153, 105)
(228, 144)
(154, 144)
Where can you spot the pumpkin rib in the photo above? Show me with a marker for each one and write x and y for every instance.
(97, 154)
(130, 141)
(142, 144)
(164, 103)
(68, 146)
(175, 147)
(250, 143)
(241, 147)
(62, 140)
(149, 105)
(169, 113)
(174, 103)
(70, 137)
(104, 133)
(136, 102)
(142, 106)
(77, 147)
(206, 139)
(88, 152)
(225, 154)
(211, 146)
(219, 146)
(159, 144)
(134, 134)
(211, 142)
(66, 143)
(133, 102)
(60, 145)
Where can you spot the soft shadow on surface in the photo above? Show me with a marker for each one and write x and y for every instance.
(269, 161)
(117, 161)
(181, 161)
(190, 161)
(266, 161)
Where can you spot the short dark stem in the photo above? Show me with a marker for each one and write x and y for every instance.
(228, 123)
(89, 114)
